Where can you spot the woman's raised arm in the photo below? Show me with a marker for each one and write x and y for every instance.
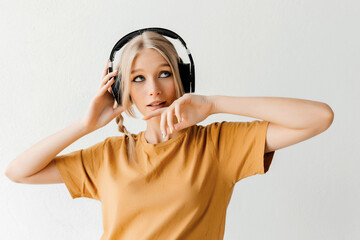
(99, 113)
(37, 157)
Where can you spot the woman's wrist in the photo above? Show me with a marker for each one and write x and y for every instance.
(212, 101)
(83, 127)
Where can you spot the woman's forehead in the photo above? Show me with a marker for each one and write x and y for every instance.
(148, 58)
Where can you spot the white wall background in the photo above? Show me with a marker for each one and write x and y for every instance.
(52, 57)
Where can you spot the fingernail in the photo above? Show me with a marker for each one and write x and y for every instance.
(182, 119)
(163, 135)
(171, 130)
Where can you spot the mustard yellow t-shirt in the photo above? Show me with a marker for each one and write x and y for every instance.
(181, 188)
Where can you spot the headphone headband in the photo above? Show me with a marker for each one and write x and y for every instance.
(135, 33)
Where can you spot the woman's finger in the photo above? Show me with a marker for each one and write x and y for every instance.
(170, 118)
(163, 124)
(105, 87)
(154, 113)
(177, 112)
(106, 79)
(106, 69)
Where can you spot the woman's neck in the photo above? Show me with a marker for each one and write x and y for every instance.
(153, 132)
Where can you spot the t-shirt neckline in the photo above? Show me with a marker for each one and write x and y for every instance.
(179, 136)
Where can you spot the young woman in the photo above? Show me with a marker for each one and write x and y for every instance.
(175, 179)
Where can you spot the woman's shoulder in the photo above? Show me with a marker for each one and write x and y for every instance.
(219, 126)
(120, 139)
(203, 129)
(209, 125)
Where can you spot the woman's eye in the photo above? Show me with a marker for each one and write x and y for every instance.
(168, 74)
(163, 74)
(137, 77)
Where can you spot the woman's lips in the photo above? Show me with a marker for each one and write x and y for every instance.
(157, 107)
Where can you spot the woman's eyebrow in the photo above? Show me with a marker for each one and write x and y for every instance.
(161, 65)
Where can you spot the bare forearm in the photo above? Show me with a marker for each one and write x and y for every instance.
(40, 155)
(288, 112)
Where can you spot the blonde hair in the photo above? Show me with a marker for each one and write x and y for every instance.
(147, 39)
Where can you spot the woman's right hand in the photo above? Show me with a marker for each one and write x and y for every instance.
(100, 110)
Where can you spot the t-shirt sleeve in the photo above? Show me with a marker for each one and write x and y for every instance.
(79, 170)
(240, 148)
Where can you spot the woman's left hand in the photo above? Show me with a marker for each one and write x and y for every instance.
(190, 108)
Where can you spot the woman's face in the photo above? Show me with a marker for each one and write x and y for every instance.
(151, 80)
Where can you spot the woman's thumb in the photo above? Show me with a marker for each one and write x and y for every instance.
(118, 110)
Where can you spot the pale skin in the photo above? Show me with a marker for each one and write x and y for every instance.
(152, 80)
(291, 120)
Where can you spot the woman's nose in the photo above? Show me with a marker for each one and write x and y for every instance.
(154, 88)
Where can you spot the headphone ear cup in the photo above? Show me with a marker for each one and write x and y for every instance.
(184, 70)
(116, 88)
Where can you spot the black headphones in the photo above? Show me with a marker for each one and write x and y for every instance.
(187, 70)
